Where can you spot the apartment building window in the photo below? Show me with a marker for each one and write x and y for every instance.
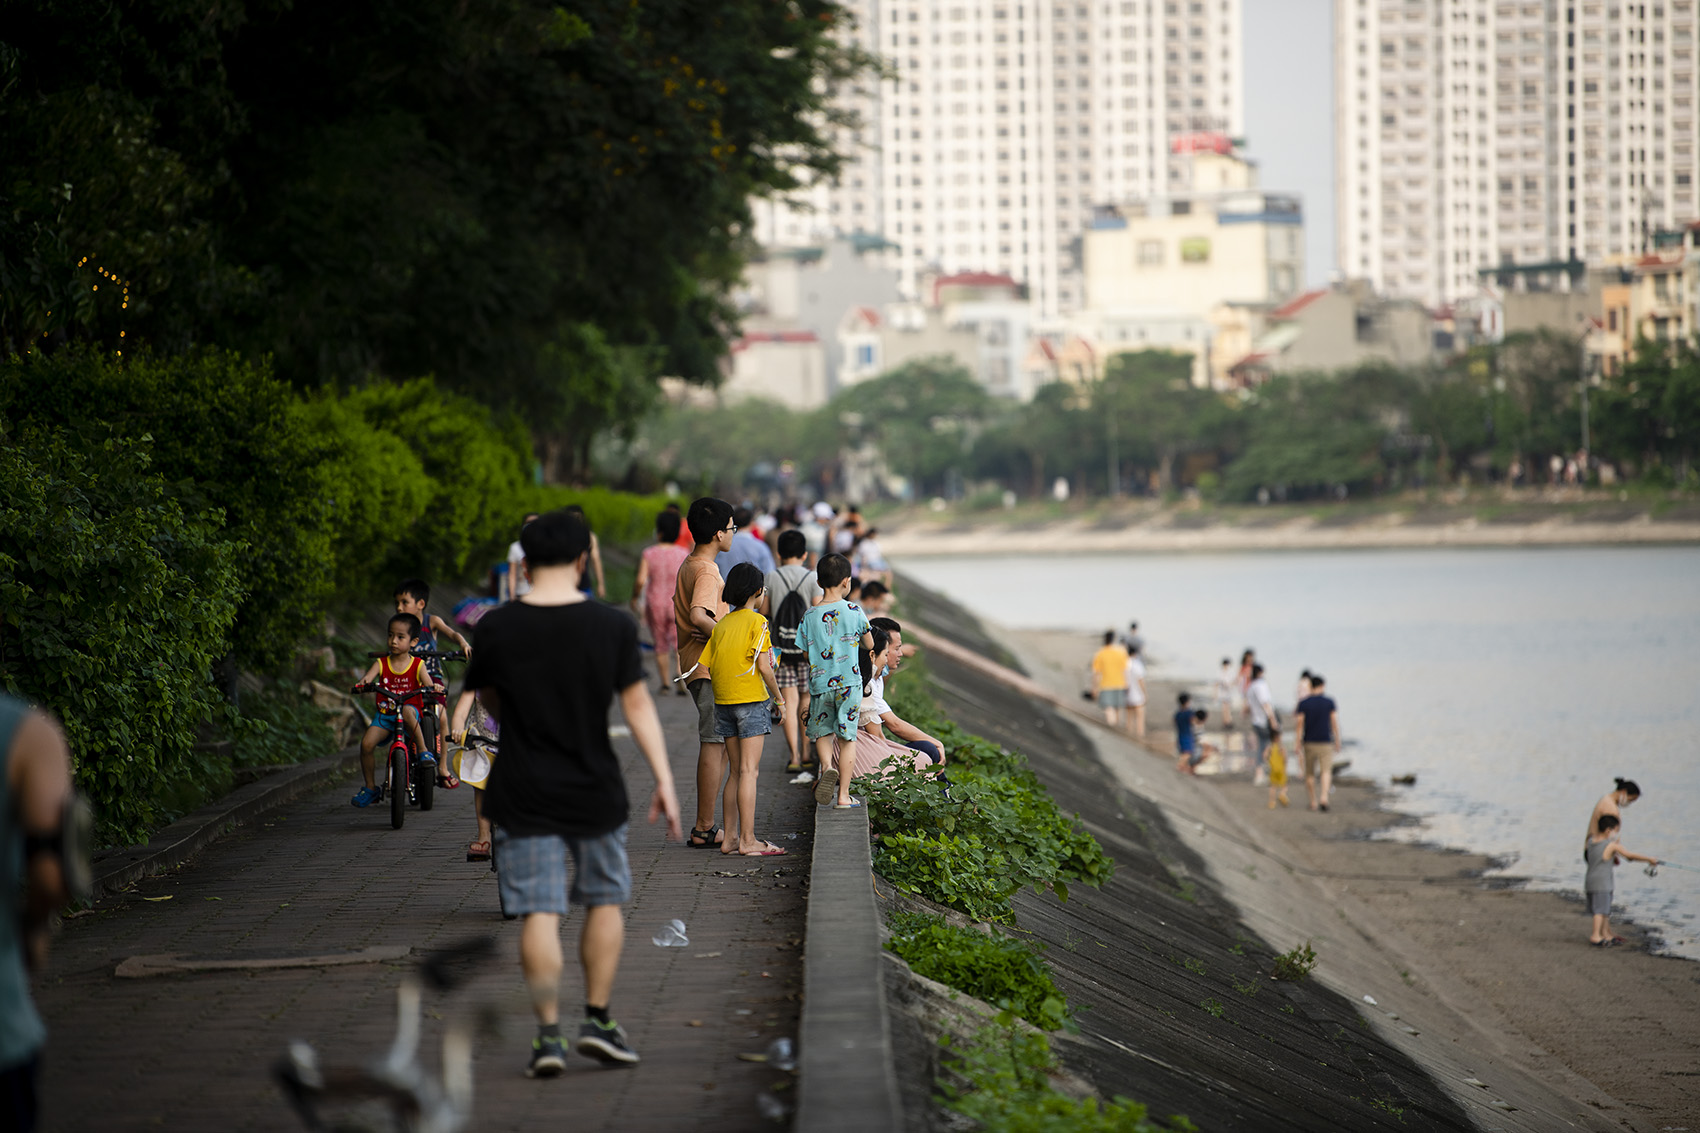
(1150, 253)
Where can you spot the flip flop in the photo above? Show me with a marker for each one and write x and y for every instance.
(709, 841)
(851, 805)
(772, 851)
(474, 854)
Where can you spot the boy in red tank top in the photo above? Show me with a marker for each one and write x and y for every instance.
(399, 673)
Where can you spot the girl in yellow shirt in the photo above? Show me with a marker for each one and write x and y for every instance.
(739, 659)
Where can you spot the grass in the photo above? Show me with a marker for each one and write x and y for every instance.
(1295, 964)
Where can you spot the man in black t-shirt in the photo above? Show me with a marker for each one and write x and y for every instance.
(547, 666)
(1316, 727)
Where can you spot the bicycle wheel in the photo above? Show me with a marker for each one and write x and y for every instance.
(398, 787)
(425, 774)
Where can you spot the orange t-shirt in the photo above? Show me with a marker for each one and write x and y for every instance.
(698, 584)
(1110, 663)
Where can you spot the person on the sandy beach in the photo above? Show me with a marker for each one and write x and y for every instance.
(1109, 679)
(1611, 803)
(1265, 721)
(1227, 685)
(1135, 692)
(1316, 734)
(1602, 854)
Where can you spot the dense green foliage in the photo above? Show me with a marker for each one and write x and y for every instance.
(999, 969)
(167, 520)
(1484, 415)
(998, 832)
(115, 601)
(544, 205)
(1002, 1082)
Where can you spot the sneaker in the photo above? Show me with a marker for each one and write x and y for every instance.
(826, 787)
(367, 796)
(804, 778)
(548, 1056)
(605, 1042)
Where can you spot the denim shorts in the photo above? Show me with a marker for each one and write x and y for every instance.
(532, 871)
(743, 720)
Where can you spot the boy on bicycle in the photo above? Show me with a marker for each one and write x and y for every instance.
(398, 674)
(412, 595)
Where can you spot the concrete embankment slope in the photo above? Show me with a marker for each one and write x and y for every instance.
(1170, 963)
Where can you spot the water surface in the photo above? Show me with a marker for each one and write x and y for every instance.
(1513, 683)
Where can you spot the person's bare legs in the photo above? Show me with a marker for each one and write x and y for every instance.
(368, 743)
(599, 947)
(664, 664)
(788, 698)
(731, 810)
(540, 960)
(484, 831)
(1310, 787)
(747, 764)
(803, 752)
(711, 772)
(1138, 712)
(844, 759)
(1327, 781)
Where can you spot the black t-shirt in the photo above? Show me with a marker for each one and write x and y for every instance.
(555, 670)
(1318, 711)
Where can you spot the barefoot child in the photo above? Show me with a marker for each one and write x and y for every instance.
(739, 656)
(398, 674)
(830, 634)
(1603, 852)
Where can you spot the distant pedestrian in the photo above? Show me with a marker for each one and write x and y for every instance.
(1136, 692)
(1612, 803)
(515, 582)
(652, 595)
(1109, 680)
(747, 546)
(791, 591)
(1265, 721)
(1225, 691)
(1247, 659)
(1316, 733)
(1131, 641)
(548, 668)
(1602, 855)
(594, 570)
(869, 561)
(1186, 735)
(1304, 687)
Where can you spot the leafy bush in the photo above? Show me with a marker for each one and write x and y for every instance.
(115, 601)
(998, 832)
(1296, 964)
(279, 725)
(996, 968)
(1008, 1089)
(223, 434)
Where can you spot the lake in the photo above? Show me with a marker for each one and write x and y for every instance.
(1513, 683)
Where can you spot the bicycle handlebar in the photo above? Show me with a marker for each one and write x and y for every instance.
(429, 655)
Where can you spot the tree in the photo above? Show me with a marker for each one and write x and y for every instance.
(925, 417)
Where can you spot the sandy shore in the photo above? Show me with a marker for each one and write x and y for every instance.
(1624, 1020)
(1171, 530)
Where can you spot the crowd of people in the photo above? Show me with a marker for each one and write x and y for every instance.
(763, 620)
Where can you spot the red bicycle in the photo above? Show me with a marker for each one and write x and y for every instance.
(406, 777)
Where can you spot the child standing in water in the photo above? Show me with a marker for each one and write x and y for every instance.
(1603, 851)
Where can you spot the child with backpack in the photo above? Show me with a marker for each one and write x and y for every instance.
(791, 592)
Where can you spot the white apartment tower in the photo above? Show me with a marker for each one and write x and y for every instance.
(1476, 133)
(1004, 122)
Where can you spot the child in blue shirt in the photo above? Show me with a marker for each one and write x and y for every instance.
(831, 634)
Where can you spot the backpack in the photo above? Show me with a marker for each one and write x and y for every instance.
(786, 619)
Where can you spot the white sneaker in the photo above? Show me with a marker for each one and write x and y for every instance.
(1260, 778)
(804, 777)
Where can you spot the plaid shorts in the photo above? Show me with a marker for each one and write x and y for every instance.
(532, 871)
(792, 674)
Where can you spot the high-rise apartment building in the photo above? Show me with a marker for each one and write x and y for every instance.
(1471, 134)
(1004, 122)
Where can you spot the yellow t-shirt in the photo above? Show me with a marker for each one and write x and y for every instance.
(730, 657)
(1110, 663)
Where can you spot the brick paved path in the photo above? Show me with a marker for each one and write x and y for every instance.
(193, 1051)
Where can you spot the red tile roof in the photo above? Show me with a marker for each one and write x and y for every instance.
(1293, 306)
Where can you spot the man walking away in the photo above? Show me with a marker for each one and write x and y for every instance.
(1316, 728)
(547, 668)
(1260, 707)
(696, 609)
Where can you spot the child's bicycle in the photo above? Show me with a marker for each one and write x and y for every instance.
(406, 778)
(395, 1092)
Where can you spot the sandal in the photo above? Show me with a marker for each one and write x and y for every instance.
(447, 781)
(768, 850)
(478, 852)
(709, 838)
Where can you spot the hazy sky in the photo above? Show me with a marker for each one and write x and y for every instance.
(1289, 118)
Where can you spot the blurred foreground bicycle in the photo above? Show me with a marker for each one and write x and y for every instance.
(396, 1092)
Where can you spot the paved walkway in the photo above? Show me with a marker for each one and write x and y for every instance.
(193, 1051)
